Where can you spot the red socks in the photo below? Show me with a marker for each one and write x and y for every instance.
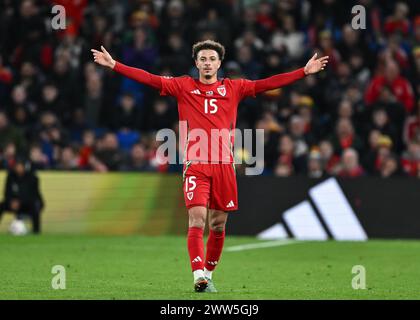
(214, 249)
(196, 248)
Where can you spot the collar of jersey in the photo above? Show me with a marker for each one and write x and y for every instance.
(199, 83)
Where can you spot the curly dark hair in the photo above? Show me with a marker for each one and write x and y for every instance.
(208, 45)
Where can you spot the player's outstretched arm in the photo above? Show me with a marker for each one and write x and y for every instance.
(279, 80)
(315, 65)
(103, 58)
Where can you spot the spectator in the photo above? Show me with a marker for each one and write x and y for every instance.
(414, 72)
(301, 140)
(345, 110)
(315, 166)
(141, 53)
(249, 66)
(6, 78)
(283, 170)
(127, 138)
(359, 68)
(8, 156)
(382, 123)
(52, 136)
(288, 158)
(162, 115)
(93, 100)
(395, 51)
(345, 137)
(398, 21)
(21, 111)
(370, 155)
(350, 167)
(173, 20)
(176, 53)
(107, 154)
(412, 126)
(330, 161)
(327, 48)
(38, 159)
(288, 39)
(127, 114)
(214, 24)
(68, 160)
(393, 107)
(10, 134)
(30, 79)
(264, 19)
(399, 85)
(351, 44)
(338, 85)
(86, 149)
(384, 151)
(410, 158)
(249, 39)
(137, 160)
(64, 78)
(389, 167)
(52, 101)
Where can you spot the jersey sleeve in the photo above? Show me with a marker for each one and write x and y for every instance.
(278, 80)
(246, 88)
(170, 86)
(139, 75)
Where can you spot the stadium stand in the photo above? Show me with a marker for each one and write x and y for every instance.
(361, 116)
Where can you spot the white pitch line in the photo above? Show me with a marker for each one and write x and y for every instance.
(265, 244)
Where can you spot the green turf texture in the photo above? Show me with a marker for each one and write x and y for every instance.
(136, 267)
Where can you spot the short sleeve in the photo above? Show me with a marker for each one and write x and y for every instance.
(170, 86)
(246, 88)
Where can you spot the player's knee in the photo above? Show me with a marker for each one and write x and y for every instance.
(197, 217)
(197, 222)
(217, 225)
(218, 228)
(217, 221)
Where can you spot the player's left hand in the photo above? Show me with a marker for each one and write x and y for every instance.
(315, 65)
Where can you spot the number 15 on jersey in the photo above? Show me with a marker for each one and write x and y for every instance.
(212, 104)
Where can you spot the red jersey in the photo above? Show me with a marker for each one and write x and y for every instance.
(207, 112)
(207, 115)
(400, 87)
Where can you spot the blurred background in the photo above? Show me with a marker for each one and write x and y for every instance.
(359, 119)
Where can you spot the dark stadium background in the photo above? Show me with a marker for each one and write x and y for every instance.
(65, 113)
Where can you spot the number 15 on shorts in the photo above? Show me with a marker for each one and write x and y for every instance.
(190, 185)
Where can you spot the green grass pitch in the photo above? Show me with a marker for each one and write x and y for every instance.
(136, 267)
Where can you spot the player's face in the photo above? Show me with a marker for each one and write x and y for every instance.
(208, 63)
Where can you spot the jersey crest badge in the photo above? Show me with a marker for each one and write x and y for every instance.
(221, 90)
(190, 195)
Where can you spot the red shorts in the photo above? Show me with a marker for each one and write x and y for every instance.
(212, 185)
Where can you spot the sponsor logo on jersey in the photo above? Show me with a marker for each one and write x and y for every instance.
(209, 93)
(196, 91)
(221, 90)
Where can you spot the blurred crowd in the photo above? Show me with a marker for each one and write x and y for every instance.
(361, 116)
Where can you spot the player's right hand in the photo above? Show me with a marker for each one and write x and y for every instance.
(103, 58)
